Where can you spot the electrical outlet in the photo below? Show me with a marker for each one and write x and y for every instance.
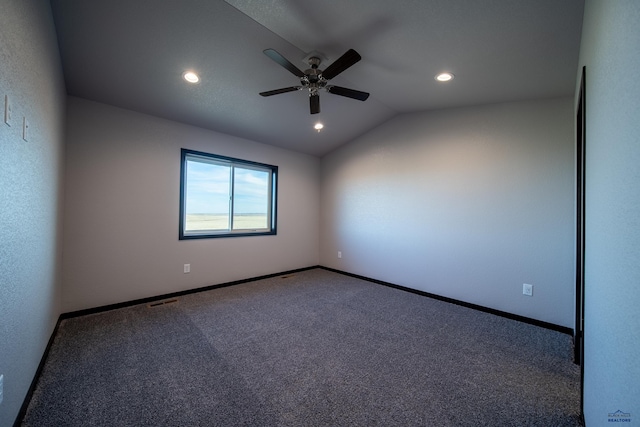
(527, 289)
(339, 254)
(187, 268)
(1, 387)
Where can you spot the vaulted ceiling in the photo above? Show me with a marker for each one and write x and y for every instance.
(133, 53)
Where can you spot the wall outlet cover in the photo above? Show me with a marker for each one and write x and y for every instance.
(527, 289)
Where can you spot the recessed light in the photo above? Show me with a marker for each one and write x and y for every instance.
(318, 126)
(191, 77)
(444, 77)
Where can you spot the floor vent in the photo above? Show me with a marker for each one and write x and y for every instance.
(159, 303)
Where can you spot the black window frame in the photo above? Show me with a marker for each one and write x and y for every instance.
(185, 155)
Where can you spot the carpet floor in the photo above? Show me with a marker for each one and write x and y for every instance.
(314, 348)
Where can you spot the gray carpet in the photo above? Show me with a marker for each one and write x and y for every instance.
(314, 349)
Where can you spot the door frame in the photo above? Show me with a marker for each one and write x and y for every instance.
(578, 356)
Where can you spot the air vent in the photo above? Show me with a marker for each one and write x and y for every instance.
(159, 303)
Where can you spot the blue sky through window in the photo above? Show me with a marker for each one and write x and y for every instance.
(207, 189)
(251, 191)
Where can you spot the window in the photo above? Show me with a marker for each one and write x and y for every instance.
(225, 197)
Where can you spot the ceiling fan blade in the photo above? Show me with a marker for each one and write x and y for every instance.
(314, 104)
(279, 91)
(349, 93)
(273, 54)
(341, 64)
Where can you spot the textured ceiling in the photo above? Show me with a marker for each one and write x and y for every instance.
(132, 53)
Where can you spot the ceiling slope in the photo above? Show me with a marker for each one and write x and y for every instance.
(132, 53)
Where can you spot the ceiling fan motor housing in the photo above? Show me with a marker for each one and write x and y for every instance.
(314, 74)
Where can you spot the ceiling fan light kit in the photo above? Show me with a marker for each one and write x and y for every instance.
(314, 79)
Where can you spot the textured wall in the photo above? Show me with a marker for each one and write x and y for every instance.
(121, 210)
(30, 196)
(466, 203)
(610, 52)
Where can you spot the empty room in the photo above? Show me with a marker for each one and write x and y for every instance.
(298, 213)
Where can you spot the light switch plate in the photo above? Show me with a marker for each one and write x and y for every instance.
(7, 110)
(25, 129)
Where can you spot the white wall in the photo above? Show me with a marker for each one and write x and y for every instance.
(30, 194)
(121, 211)
(610, 51)
(466, 203)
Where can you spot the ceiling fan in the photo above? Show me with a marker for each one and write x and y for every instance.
(315, 79)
